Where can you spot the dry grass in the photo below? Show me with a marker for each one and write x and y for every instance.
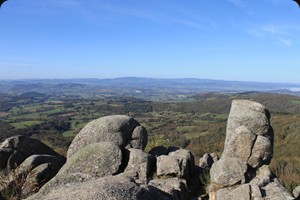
(11, 185)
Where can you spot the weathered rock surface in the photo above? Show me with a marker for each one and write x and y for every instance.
(207, 160)
(106, 147)
(228, 171)
(173, 188)
(106, 188)
(243, 171)
(38, 170)
(122, 130)
(262, 152)
(238, 193)
(93, 161)
(106, 161)
(179, 164)
(38, 177)
(250, 114)
(215, 157)
(249, 135)
(275, 190)
(141, 162)
(139, 138)
(240, 144)
(35, 160)
(170, 166)
(117, 187)
(27, 146)
(14, 150)
(26, 164)
(296, 192)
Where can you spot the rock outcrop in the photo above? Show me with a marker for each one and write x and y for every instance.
(27, 164)
(249, 136)
(243, 172)
(106, 161)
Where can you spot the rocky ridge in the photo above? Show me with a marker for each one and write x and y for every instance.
(106, 160)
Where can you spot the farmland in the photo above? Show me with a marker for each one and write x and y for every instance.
(196, 122)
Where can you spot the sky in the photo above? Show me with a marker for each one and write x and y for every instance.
(244, 40)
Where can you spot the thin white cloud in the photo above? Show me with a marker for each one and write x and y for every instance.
(191, 23)
(285, 41)
(244, 5)
(276, 30)
(282, 34)
(276, 1)
(238, 3)
(125, 10)
(79, 8)
(255, 32)
(159, 17)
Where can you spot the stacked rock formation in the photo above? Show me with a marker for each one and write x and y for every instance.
(243, 172)
(106, 161)
(26, 164)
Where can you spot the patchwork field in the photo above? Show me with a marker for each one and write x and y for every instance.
(197, 122)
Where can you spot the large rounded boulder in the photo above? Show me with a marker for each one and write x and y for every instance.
(124, 131)
(93, 161)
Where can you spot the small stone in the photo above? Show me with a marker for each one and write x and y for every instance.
(206, 161)
(296, 192)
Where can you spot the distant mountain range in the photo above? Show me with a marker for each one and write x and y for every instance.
(134, 85)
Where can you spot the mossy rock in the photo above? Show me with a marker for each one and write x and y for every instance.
(93, 161)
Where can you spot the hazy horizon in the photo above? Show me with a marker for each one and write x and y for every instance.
(160, 78)
(232, 40)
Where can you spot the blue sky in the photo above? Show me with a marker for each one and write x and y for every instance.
(247, 40)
